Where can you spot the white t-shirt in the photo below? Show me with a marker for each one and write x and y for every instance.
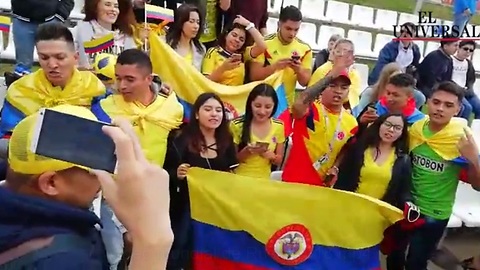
(404, 56)
(459, 74)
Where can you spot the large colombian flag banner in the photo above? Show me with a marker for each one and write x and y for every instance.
(242, 223)
(188, 83)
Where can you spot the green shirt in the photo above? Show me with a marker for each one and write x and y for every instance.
(210, 28)
(434, 181)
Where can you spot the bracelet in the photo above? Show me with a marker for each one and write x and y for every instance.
(249, 26)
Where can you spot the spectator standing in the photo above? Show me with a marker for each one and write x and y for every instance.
(27, 16)
(256, 11)
(103, 17)
(463, 11)
(463, 74)
(214, 13)
(285, 52)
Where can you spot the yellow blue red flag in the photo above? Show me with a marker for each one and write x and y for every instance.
(278, 225)
(99, 44)
(5, 24)
(188, 83)
(159, 13)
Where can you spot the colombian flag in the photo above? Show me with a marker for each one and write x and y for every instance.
(411, 113)
(278, 225)
(188, 83)
(159, 13)
(99, 44)
(5, 24)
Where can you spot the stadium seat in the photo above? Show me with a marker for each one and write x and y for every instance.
(454, 222)
(5, 5)
(476, 87)
(380, 41)
(277, 5)
(313, 9)
(476, 130)
(272, 25)
(467, 205)
(326, 32)
(308, 34)
(363, 71)
(405, 17)
(338, 12)
(421, 46)
(362, 41)
(476, 60)
(9, 52)
(430, 47)
(386, 19)
(276, 175)
(76, 13)
(362, 16)
(2, 46)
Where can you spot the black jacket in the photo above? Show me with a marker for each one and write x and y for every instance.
(436, 67)
(398, 191)
(42, 10)
(470, 80)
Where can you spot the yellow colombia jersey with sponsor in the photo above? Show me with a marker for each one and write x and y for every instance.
(215, 57)
(255, 165)
(151, 123)
(276, 51)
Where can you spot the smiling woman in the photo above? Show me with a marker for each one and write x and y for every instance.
(102, 18)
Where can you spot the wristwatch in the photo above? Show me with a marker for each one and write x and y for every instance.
(250, 26)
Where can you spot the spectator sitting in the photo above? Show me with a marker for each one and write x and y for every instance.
(404, 52)
(437, 66)
(46, 202)
(343, 48)
(463, 74)
(374, 92)
(398, 98)
(100, 22)
(324, 55)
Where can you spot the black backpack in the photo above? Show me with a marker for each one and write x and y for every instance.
(28, 253)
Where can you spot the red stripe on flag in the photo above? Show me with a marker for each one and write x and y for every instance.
(202, 261)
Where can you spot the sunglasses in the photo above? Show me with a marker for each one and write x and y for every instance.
(468, 50)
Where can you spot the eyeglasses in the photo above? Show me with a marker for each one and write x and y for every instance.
(395, 127)
(468, 50)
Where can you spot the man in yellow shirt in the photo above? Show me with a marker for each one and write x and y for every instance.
(343, 47)
(153, 115)
(285, 52)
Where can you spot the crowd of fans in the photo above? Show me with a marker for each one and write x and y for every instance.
(372, 141)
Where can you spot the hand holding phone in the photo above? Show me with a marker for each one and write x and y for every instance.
(236, 57)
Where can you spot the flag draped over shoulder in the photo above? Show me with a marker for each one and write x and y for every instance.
(244, 224)
(188, 83)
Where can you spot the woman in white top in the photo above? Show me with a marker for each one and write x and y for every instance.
(103, 17)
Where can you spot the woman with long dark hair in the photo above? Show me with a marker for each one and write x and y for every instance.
(258, 136)
(204, 142)
(225, 63)
(377, 164)
(184, 34)
(103, 17)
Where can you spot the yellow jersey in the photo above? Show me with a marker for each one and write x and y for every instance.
(215, 57)
(255, 165)
(354, 91)
(189, 57)
(151, 123)
(276, 51)
(374, 178)
(210, 27)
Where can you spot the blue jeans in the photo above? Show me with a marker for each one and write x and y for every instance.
(24, 39)
(474, 102)
(111, 235)
(423, 243)
(466, 109)
(461, 21)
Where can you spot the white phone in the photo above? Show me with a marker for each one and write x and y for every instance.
(73, 139)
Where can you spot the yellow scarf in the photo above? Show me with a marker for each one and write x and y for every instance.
(444, 142)
(152, 123)
(34, 91)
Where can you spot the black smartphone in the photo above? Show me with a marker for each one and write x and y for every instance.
(295, 57)
(73, 139)
(372, 108)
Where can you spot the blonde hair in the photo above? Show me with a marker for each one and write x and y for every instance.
(388, 71)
